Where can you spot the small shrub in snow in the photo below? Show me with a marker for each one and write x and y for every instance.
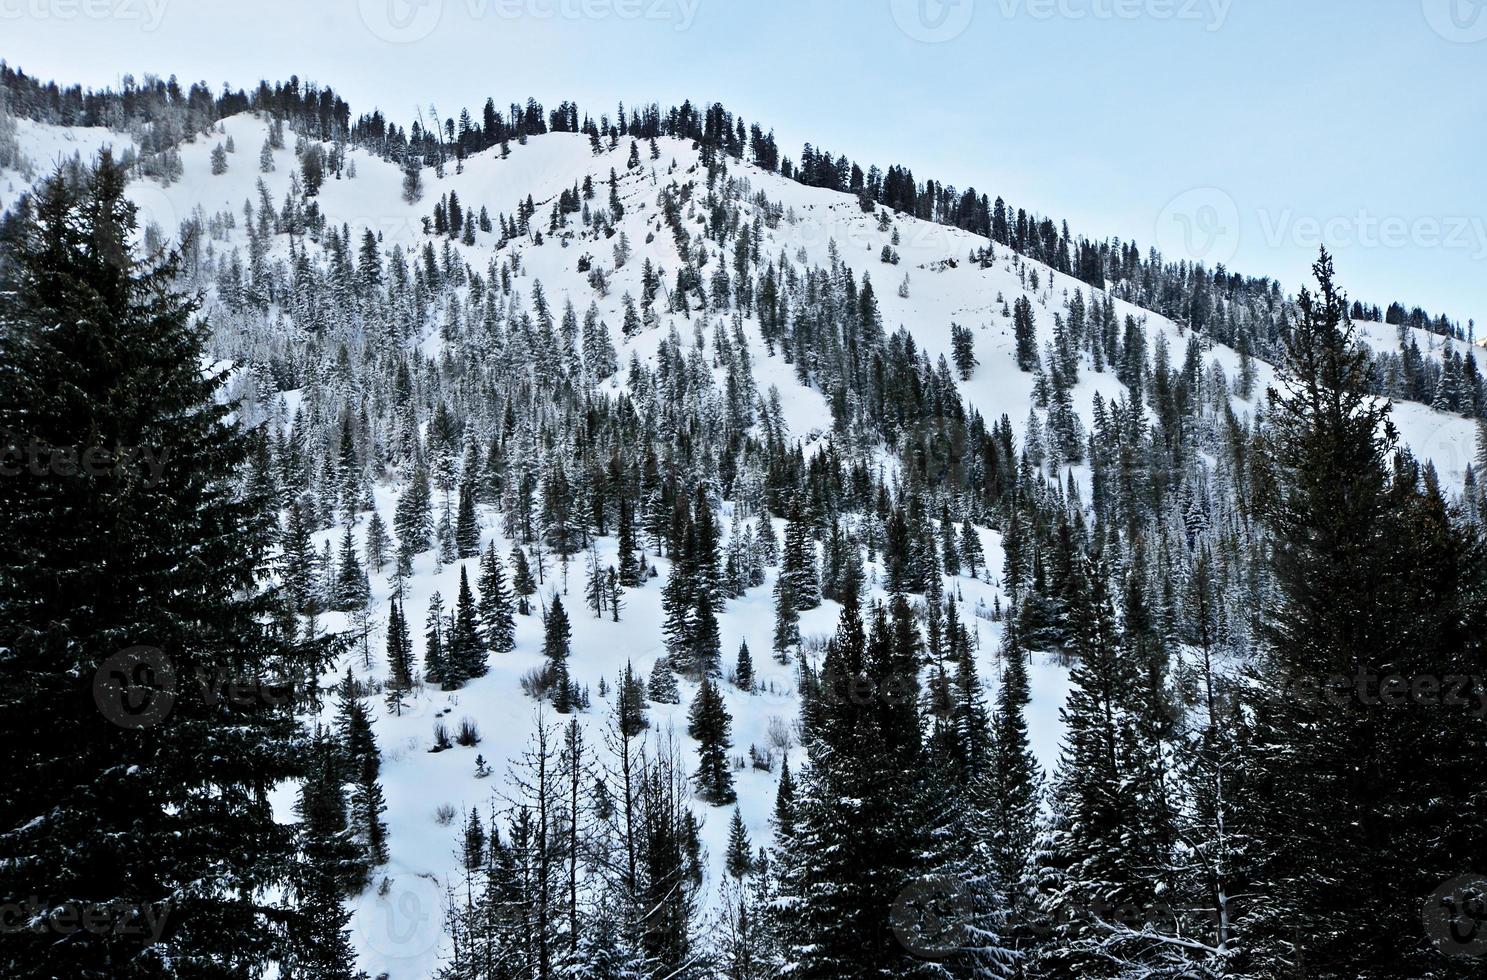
(780, 736)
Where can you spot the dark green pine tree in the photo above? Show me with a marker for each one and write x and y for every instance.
(467, 524)
(630, 569)
(1009, 796)
(1102, 845)
(709, 723)
(630, 704)
(858, 837)
(963, 350)
(678, 597)
(786, 621)
(159, 551)
(798, 563)
(743, 670)
(377, 542)
(352, 589)
(1366, 801)
(333, 866)
(661, 687)
(413, 519)
(739, 858)
(555, 647)
(970, 547)
(467, 654)
(435, 661)
(399, 658)
(362, 767)
(1026, 333)
(298, 562)
(522, 582)
(784, 804)
(499, 628)
(706, 643)
(354, 731)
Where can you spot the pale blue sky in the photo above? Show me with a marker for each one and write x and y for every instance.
(1243, 129)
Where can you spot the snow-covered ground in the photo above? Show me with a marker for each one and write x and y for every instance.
(399, 933)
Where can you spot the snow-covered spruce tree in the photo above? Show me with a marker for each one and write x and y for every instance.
(857, 837)
(133, 581)
(399, 657)
(1362, 798)
(661, 686)
(1104, 842)
(466, 655)
(555, 647)
(709, 723)
(798, 563)
(497, 625)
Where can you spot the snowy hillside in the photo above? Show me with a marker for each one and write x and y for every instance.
(936, 286)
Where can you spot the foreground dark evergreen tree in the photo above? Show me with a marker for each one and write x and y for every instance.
(857, 834)
(1366, 798)
(99, 356)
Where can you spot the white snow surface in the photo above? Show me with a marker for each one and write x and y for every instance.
(400, 933)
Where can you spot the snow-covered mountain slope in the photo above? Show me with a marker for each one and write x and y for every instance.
(398, 921)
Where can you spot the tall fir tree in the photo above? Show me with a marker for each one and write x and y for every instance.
(123, 582)
(709, 723)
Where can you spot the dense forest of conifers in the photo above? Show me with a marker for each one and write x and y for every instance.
(1214, 813)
